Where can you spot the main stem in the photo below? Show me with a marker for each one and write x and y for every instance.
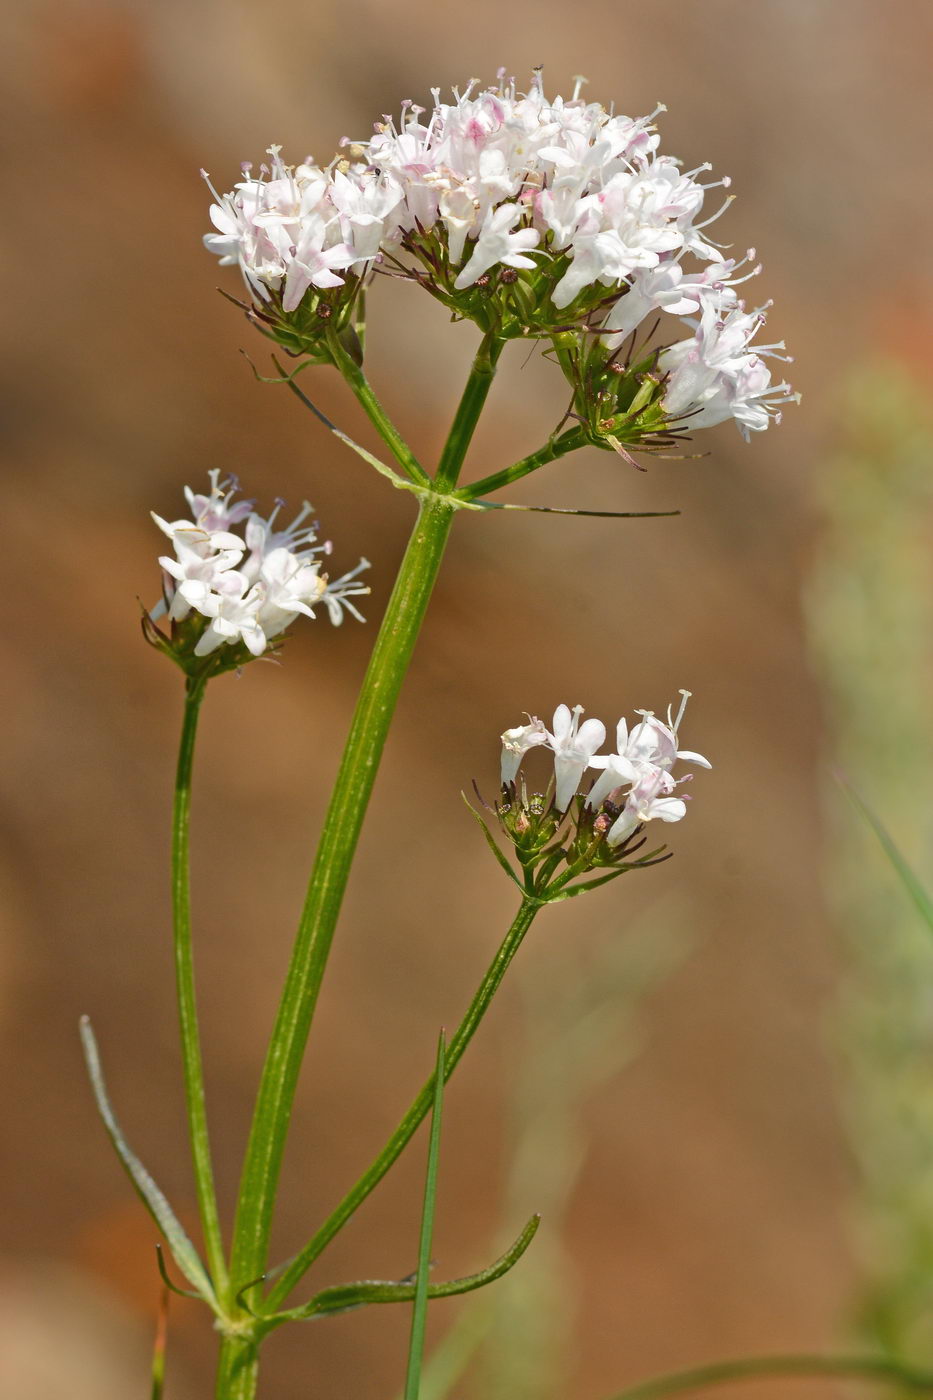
(375, 708)
(187, 1005)
(337, 846)
(418, 1109)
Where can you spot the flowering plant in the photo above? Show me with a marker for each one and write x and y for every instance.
(553, 220)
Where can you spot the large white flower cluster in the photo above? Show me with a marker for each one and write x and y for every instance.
(252, 586)
(635, 783)
(576, 196)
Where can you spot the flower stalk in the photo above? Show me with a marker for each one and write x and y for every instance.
(418, 1109)
(185, 983)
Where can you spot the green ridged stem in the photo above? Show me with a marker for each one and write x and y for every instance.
(185, 985)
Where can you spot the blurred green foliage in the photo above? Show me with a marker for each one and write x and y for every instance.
(870, 613)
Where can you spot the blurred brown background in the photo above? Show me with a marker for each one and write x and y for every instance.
(708, 1210)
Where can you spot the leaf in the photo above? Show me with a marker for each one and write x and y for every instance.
(183, 1251)
(570, 510)
(699, 1378)
(587, 885)
(172, 1287)
(493, 845)
(397, 481)
(367, 1291)
(921, 899)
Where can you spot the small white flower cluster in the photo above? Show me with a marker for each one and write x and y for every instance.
(635, 781)
(250, 587)
(517, 181)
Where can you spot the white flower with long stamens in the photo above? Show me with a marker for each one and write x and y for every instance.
(516, 743)
(561, 841)
(717, 374)
(650, 747)
(574, 745)
(336, 596)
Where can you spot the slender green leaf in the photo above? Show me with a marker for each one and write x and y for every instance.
(359, 1295)
(921, 899)
(587, 885)
(183, 1251)
(572, 510)
(172, 1287)
(397, 481)
(420, 1309)
(493, 844)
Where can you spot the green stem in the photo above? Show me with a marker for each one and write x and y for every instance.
(417, 1111)
(187, 1003)
(470, 407)
(355, 778)
(365, 396)
(879, 1368)
(554, 448)
(238, 1369)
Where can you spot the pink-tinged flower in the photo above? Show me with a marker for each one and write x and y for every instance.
(218, 510)
(718, 375)
(650, 747)
(648, 800)
(574, 745)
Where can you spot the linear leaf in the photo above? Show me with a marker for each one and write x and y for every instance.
(367, 1291)
(289, 379)
(571, 510)
(183, 1251)
(493, 846)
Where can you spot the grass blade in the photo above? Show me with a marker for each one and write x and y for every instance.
(420, 1308)
(915, 890)
(158, 1350)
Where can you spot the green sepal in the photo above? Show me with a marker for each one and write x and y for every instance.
(183, 1251)
(358, 1295)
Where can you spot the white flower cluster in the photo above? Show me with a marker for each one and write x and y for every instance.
(250, 587)
(561, 187)
(635, 781)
